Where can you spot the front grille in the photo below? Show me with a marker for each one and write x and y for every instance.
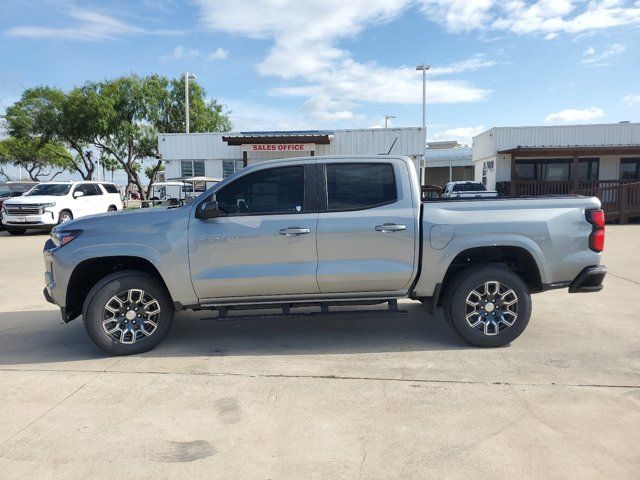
(24, 210)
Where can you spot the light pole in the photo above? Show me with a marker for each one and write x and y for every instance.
(386, 118)
(187, 76)
(424, 67)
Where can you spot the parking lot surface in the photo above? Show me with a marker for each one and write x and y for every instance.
(340, 397)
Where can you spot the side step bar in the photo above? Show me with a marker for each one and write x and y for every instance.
(223, 312)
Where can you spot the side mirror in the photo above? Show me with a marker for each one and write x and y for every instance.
(78, 194)
(207, 210)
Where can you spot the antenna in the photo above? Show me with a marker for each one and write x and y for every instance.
(392, 145)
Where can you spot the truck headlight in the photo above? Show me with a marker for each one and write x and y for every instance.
(62, 237)
(52, 204)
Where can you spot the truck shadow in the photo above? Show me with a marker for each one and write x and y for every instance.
(37, 337)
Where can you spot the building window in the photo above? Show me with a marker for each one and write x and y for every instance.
(193, 168)
(229, 167)
(588, 169)
(556, 169)
(630, 168)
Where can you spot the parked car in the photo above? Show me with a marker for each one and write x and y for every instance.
(51, 203)
(13, 189)
(325, 231)
(467, 189)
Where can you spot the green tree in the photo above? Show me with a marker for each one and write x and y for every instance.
(49, 115)
(40, 160)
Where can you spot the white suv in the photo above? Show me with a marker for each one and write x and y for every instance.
(50, 203)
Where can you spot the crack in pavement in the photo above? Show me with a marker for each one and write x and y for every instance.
(326, 377)
(53, 407)
(623, 278)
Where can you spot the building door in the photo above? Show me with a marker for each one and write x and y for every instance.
(367, 233)
(265, 242)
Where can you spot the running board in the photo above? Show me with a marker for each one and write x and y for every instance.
(223, 313)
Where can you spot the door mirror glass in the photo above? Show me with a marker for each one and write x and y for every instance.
(207, 210)
(78, 193)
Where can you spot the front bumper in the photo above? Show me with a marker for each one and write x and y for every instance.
(589, 280)
(44, 220)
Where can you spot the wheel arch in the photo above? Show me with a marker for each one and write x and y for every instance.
(518, 259)
(89, 272)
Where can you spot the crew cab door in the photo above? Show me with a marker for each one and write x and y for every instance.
(264, 242)
(367, 228)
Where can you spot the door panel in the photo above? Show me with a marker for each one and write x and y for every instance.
(366, 249)
(248, 256)
(266, 245)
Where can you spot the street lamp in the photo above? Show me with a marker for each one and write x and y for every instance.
(386, 118)
(424, 67)
(187, 76)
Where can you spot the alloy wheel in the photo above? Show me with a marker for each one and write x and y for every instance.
(491, 308)
(130, 316)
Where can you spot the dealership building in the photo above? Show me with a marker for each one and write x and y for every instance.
(217, 155)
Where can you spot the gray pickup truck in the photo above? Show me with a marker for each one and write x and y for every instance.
(322, 232)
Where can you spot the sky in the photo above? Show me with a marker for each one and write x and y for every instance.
(330, 64)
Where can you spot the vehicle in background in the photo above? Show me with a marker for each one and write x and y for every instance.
(51, 203)
(13, 189)
(324, 232)
(467, 189)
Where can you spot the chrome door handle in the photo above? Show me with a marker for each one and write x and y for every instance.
(390, 227)
(294, 231)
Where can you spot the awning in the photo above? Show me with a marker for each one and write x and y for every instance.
(197, 179)
(570, 151)
(319, 137)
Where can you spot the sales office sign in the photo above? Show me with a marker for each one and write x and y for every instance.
(278, 147)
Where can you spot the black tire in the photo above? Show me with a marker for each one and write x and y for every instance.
(94, 313)
(484, 334)
(16, 231)
(112, 208)
(65, 216)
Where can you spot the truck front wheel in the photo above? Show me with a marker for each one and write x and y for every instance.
(488, 306)
(128, 312)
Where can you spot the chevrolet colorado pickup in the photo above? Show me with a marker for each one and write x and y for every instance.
(324, 232)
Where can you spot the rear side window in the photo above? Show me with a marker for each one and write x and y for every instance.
(352, 186)
(269, 191)
(110, 188)
(90, 189)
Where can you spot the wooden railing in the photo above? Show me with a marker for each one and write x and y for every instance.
(620, 198)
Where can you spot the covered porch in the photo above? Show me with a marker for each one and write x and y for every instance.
(611, 173)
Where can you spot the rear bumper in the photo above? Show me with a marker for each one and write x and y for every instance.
(589, 280)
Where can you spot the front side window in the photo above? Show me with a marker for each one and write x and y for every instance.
(54, 189)
(352, 186)
(270, 191)
(4, 191)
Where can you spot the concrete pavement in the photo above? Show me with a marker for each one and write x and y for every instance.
(350, 397)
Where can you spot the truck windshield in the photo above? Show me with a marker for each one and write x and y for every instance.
(468, 187)
(54, 189)
(4, 192)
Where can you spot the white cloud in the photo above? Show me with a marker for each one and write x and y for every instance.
(305, 53)
(218, 54)
(464, 135)
(304, 34)
(181, 53)
(574, 115)
(591, 55)
(549, 17)
(633, 99)
(91, 25)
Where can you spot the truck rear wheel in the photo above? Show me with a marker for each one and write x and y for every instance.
(128, 312)
(488, 306)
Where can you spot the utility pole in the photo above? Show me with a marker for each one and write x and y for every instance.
(424, 67)
(187, 76)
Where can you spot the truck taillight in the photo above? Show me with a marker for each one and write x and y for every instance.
(596, 239)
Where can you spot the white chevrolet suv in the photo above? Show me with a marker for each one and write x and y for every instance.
(50, 203)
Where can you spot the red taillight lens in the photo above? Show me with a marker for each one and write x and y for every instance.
(596, 239)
